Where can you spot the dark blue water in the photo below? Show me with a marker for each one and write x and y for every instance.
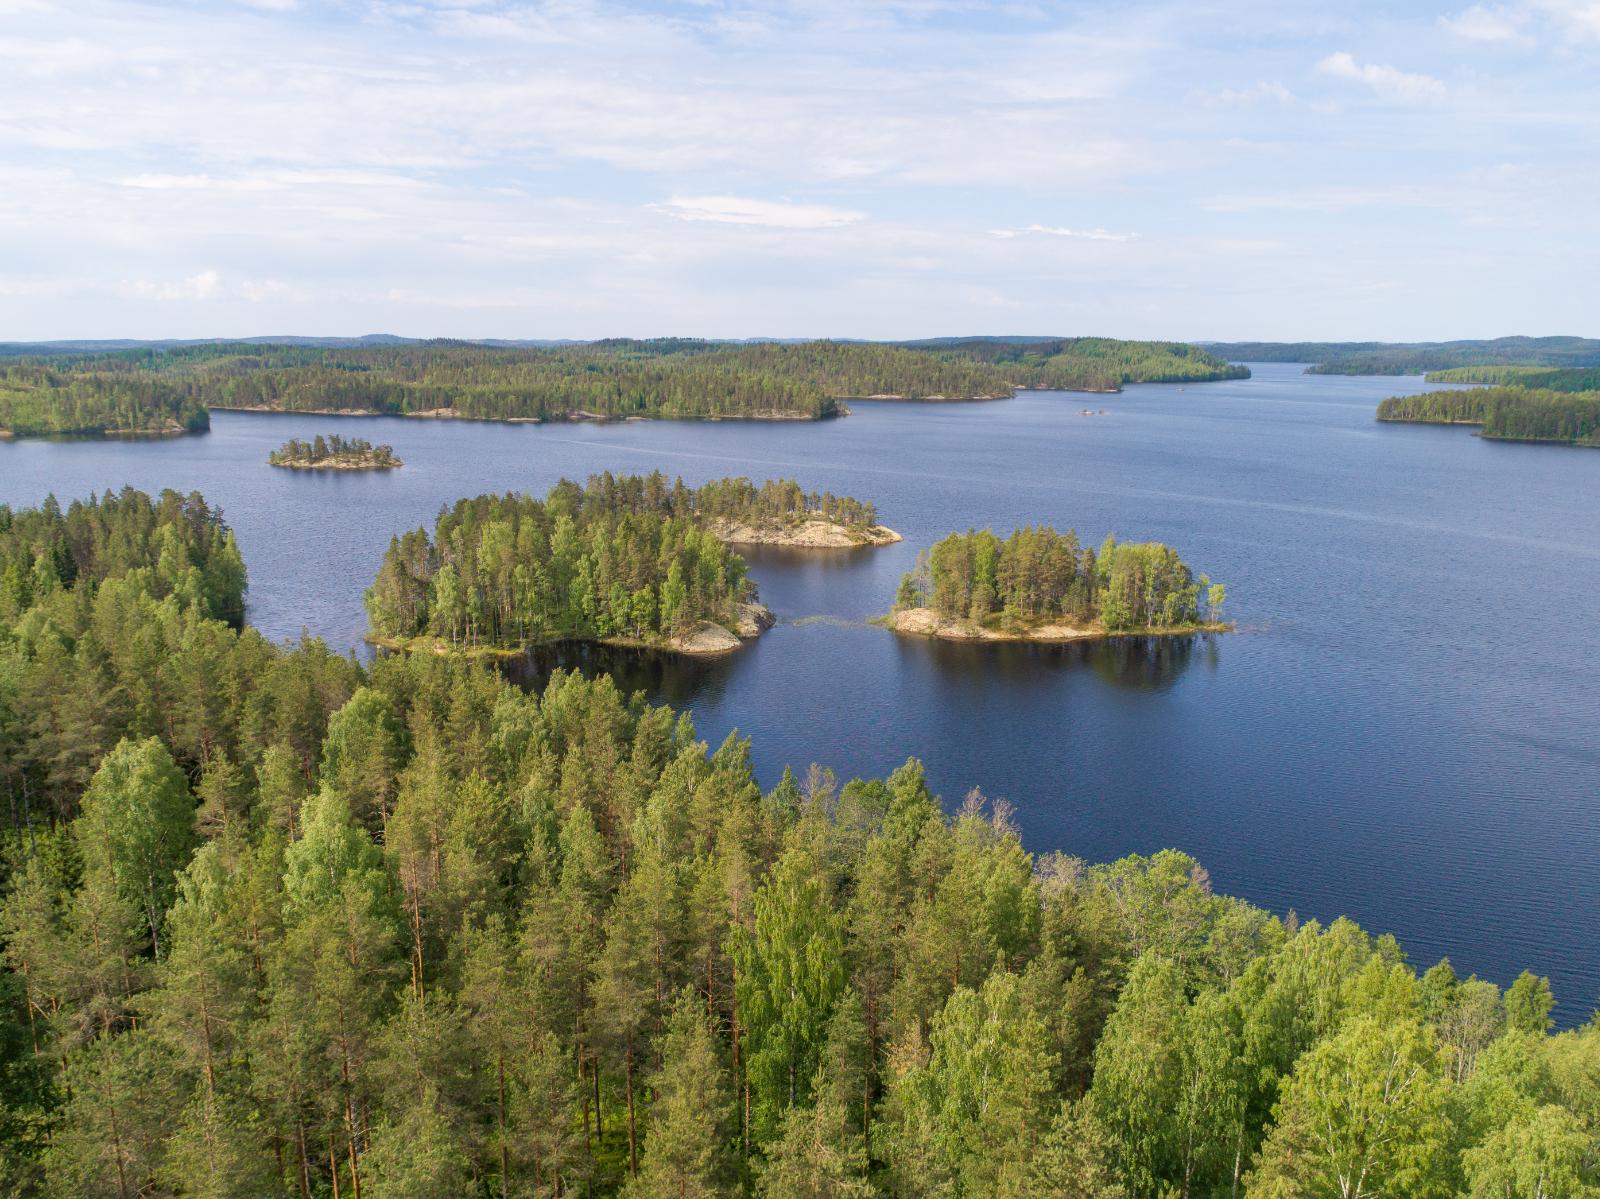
(1403, 729)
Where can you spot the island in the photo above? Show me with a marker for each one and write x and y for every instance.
(1042, 585)
(624, 560)
(780, 513)
(1506, 413)
(333, 453)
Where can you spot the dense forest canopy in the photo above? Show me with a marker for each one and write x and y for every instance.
(622, 558)
(1532, 377)
(1416, 358)
(1039, 575)
(334, 451)
(41, 401)
(92, 391)
(1094, 363)
(274, 924)
(1506, 413)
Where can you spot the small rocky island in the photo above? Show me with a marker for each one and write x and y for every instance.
(637, 561)
(1041, 585)
(333, 453)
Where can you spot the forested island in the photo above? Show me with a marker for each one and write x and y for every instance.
(42, 401)
(333, 453)
(617, 562)
(1042, 585)
(1505, 413)
(778, 512)
(277, 924)
(171, 388)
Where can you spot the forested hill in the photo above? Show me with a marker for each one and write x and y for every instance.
(276, 924)
(1093, 363)
(1416, 358)
(46, 400)
(669, 377)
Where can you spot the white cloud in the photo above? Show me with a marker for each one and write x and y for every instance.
(1580, 17)
(738, 210)
(1483, 24)
(206, 285)
(1062, 231)
(1385, 81)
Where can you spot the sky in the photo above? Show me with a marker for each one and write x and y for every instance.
(846, 168)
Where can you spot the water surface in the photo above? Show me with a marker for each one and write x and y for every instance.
(1402, 730)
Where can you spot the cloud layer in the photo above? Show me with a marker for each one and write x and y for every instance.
(845, 167)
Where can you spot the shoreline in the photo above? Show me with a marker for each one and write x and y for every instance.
(926, 623)
(576, 416)
(332, 464)
(706, 640)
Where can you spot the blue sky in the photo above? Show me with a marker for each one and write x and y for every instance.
(843, 168)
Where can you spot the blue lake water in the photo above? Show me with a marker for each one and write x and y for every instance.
(1402, 730)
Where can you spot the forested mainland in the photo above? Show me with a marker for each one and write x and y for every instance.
(171, 388)
(333, 453)
(47, 401)
(1041, 584)
(1416, 358)
(277, 924)
(1505, 413)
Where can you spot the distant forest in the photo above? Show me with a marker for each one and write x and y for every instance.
(1506, 413)
(1416, 358)
(172, 387)
(278, 925)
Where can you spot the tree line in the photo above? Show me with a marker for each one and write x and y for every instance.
(1416, 358)
(1096, 363)
(735, 500)
(321, 450)
(1039, 575)
(1531, 377)
(613, 560)
(43, 401)
(153, 386)
(1506, 413)
(410, 931)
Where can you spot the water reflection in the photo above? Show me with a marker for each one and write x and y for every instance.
(1152, 664)
(1145, 664)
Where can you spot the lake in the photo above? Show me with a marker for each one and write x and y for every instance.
(1402, 730)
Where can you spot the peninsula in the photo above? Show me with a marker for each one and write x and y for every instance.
(1041, 585)
(333, 453)
(1506, 413)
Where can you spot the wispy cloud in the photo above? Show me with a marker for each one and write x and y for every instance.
(740, 210)
(1481, 23)
(1386, 82)
(1062, 231)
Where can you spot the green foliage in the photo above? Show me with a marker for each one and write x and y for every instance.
(1506, 413)
(617, 559)
(334, 451)
(156, 388)
(1415, 358)
(1095, 363)
(418, 932)
(38, 400)
(1038, 575)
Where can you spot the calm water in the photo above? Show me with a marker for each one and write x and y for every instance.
(1403, 730)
